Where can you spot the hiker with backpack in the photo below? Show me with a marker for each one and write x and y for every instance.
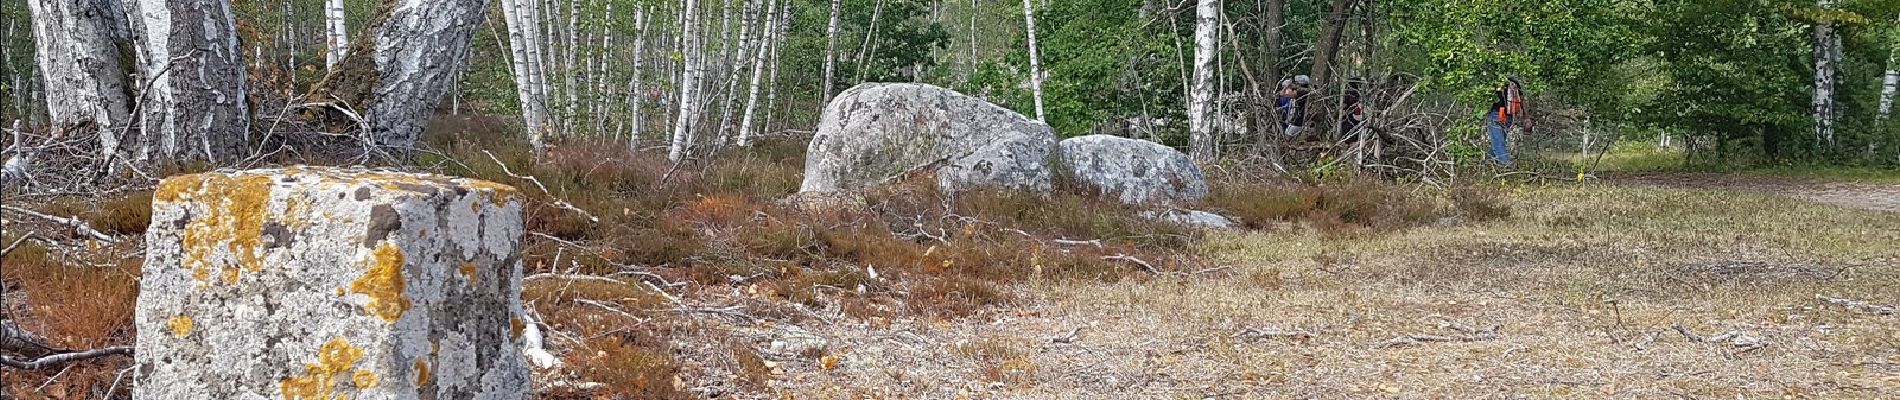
(1507, 110)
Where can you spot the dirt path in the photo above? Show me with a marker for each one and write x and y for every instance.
(1868, 196)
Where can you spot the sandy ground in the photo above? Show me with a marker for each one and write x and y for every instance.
(1579, 295)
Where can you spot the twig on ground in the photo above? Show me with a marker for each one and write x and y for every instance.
(1145, 266)
(1857, 305)
(1275, 333)
(1468, 335)
(558, 202)
(1067, 337)
(75, 223)
(16, 243)
(59, 359)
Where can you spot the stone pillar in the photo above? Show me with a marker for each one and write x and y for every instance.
(330, 283)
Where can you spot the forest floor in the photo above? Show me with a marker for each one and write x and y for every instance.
(1657, 286)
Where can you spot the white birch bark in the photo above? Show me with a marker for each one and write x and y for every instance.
(865, 50)
(691, 50)
(1201, 98)
(635, 96)
(76, 56)
(195, 107)
(1826, 61)
(747, 40)
(768, 40)
(533, 118)
(831, 50)
(771, 88)
(415, 51)
(603, 91)
(336, 34)
(1889, 83)
(568, 72)
(1035, 69)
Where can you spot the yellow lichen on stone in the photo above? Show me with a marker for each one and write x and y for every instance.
(363, 379)
(233, 220)
(469, 271)
(517, 325)
(318, 381)
(422, 373)
(181, 325)
(384, 284)
(497, 193)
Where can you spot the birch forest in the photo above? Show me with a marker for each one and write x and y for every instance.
(949, 199)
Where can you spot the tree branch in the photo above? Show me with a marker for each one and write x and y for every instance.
(60, 359)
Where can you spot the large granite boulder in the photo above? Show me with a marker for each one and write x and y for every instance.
(321, 283)
(875, 132)
(1131, 170)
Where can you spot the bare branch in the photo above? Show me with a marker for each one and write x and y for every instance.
(60, 359)
(76, 223)
(558, 203)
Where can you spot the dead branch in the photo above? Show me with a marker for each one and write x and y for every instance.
(1067, 337)
(1275, 333)
(63, 358)
(1467, 335)
(1145, 266)
(1857, 305)
(16, 243)
(558, 202)
(1688, 334)
(75, 223)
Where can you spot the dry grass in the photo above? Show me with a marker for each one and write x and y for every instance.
(1585, 281)
(76, 300)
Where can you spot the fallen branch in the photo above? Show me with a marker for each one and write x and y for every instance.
(63, 358)
(1468, 335)
(1857, 305)
(1145, 266)
(1067, 337)
(558, 203)
(16, 243)
(1275, 333)
(75, 223)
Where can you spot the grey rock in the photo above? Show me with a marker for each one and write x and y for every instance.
(1131, 170)
(876, 132)
(331, 283)
(1193, 218)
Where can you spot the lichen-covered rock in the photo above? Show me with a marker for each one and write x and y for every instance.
(321, 283)
(878, 131)
(1191, 218)
(1131, 170)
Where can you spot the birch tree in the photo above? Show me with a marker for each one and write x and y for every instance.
(692, 56)
(635, 97)
(336, 35)
(194, 108)
(81, 66)
(747, 40)
(831, 50)
(768, 41)
(521, 29)
(415, 49)
(1889, 83)
(1827, 55)
(1035, 70)
(1200, 118)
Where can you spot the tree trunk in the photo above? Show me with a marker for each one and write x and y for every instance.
(831, 51)
(635, 97)
(602, 91)
(195, 107)
(691, 51)
(771, 88)
(865, 50)
(974, 38)
(520, 30)
(1889, 84)
(337, 40)
(1827, 44)
(81, 65)
(1035, 70)
(769, 39)
(399, 72)
(1201, 99)
(1323, 54)
(1269, 134)
(747, 39)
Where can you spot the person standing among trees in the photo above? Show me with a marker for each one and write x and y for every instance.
(1507, 110)
(1292, 104)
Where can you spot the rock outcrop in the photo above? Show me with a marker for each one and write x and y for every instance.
(1131, 170)
(320, 283)
(875, 132)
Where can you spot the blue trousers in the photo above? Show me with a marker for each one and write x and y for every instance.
(1500, 144)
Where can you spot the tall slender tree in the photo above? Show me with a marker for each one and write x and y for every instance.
(78, 59)
(692, 62)
(1035, 70)
(1827, 56)
(831, 50)
(1201, 135)
(336, 33)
